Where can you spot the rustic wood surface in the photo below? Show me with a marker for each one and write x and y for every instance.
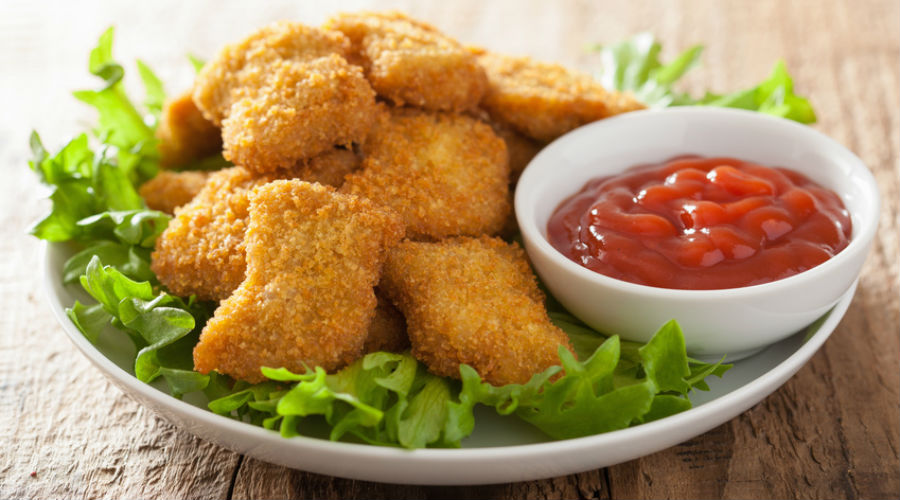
(830, 432)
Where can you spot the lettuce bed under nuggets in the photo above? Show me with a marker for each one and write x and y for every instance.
(473, 301)
(445, 174)
(313, 259)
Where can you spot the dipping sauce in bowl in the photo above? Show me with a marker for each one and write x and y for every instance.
(700, 224)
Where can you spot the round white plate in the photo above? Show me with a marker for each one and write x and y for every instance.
(502, 449)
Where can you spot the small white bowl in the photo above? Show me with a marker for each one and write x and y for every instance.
(735, 321)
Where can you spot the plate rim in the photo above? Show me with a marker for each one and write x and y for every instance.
(698, 419)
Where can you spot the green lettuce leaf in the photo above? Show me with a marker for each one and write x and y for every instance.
(384, 399)
(634, 65)
(612, 389)
(155, 322)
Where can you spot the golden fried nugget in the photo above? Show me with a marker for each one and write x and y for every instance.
(202, 250)
(521, 149)
(328, 168)
(243, 64)
(445, 174)
(170, 190)
(313, 258)
(544, 101)
(184, 134)
(411, 62)
(387, 332)
(284, 94)
(473, 301)
(304, 109)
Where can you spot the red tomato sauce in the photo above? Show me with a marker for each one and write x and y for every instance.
(700, 224)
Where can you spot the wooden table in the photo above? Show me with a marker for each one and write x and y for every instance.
(831, 431)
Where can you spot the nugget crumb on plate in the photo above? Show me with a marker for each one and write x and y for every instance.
(411, 62)
(202, 250)
(283, 94)
(170, 190)
(544, 101)
(473, 301)
(313, 259)
(184, 134)
(445, 174)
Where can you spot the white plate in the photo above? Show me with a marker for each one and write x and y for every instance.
(500, 450)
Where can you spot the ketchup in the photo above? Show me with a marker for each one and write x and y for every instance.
(701, 223)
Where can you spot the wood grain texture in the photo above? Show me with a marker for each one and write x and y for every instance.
(832, 431)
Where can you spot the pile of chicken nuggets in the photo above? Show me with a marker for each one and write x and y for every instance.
(375, 160)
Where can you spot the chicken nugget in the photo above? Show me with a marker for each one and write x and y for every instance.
(544, 101)
(387, 332)
(411, 62)
(303, 110)
(313, 259)
(284, 94)
(184, 134)
(445, 174)
(328, 168)
(170, 190)
(243, 64)
(521, 149)
(201, 251)
(473, 301)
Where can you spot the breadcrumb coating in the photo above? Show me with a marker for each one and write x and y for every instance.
(202, 250)
(521, 149)
(411, 62)
(302, 110)
(184, 134)
(544, 101)
(387, 332)
(283, 94)
(473, 301)
(445, 174)
(243, 64)
(313, 258)
(170, 190)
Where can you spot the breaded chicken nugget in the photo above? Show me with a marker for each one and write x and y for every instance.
(202, 250)
(544, 101)
(170, 190)
(243, 64)
(387, 332)
(411, 62)
(184, 134)
(473, 301)
(521, 149)
(313, 258)
(303, 110)
(328, 168)
(445, 174)
(284, 94)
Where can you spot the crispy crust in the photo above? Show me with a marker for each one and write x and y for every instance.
(170, 190)
(184, 134)
(313, 258)
(544, 101)
(411, 62)
(473, 301)
(445, 174)
(243, 64)
(302, 110)
(202, 250)
(283, 94)
(387, 332)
